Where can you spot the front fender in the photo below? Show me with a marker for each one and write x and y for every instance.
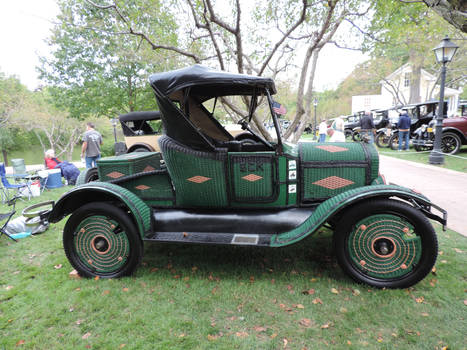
(334, 205)
(103, 192)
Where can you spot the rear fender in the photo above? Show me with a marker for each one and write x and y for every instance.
(335, 205)
(103, 192)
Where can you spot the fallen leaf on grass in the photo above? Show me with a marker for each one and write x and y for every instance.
(334, 291)
(59, 266)
(356, 292)
(273, 335)
(305, 322)
(241, 334)
(298, 306)
(309, 292)
(106, 292)
(458, 250)
(212, 337)
(154, 269)
(74, 274)
(433, 271)
(425, 314)
(96, 278)
(420, 300)
(259, 329)
(317, 301)
(122, 346)
(343, 310)
(125, 289)
(285, 341)
(20, 342)
(326, 325)
(79, 322)
(8, 287)
(465, 302)
(86, 335)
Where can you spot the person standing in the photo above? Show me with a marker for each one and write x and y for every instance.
(338, 130)
(404, 130)
(91, 149)
(368, 127)
(322, 130)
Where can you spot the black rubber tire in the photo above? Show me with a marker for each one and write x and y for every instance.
(357, 136)
(87, 175)
(394, 142)
(382, 140)
(113, 229)
(140, 149)
(348, 133)
(450, 143)
(386, 218)
(247, 137)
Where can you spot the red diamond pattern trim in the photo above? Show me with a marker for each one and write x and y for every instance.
(115, 174)
(148, 168)
(252, 177)
(199, 179)
(142, 187)
(332, 149)
(333, 182)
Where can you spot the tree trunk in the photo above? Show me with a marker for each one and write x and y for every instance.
(415, 82)
(308, 98)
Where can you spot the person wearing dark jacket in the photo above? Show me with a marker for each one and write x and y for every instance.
(368, 127)
(404, 130)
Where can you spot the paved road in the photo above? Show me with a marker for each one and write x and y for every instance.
(446, 188)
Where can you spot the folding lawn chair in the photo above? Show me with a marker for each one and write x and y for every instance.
(20, 189)
(5, 218)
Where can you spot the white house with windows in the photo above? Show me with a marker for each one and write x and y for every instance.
(398, 84)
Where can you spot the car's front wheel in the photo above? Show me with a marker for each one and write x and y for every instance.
(101, 240)
(450, 143)
(394, 141)
(385, 243)
(382, 140)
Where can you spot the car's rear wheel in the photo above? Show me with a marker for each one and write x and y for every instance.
(385, 243)
(450, 143)
(101, 240)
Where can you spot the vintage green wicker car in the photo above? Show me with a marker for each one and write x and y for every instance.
(206, 186)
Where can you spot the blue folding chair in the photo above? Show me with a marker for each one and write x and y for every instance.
(17, 188)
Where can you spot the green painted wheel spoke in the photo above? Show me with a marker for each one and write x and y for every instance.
(384, 246)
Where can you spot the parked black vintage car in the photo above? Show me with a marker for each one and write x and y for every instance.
(421, 114)
(453, 137)
(380, 119)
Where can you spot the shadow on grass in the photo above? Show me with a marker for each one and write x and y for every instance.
(312, 257)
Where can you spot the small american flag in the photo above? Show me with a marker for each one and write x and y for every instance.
(278, 108)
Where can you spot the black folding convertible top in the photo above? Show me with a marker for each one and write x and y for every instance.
(140, 115)
(189, 122)
(205, 81)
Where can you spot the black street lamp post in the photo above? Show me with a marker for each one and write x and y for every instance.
(114, 124)
(315, 103)
(444, 53)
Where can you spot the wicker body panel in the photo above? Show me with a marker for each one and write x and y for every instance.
(198, 177)
(112, 168)
(327, 169)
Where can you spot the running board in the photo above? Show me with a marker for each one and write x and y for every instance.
(263, 240)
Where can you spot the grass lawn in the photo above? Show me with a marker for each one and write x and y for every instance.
(200, 297)
(456, 162)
